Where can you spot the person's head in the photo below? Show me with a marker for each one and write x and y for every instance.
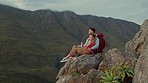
(91, 30)
(92, 36)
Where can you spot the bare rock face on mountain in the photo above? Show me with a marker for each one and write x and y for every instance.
(81, 69)
(135, 46)
(90, 77)
(112, 57)
(140, 43)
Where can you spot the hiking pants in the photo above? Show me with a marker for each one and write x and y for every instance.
(75, 51)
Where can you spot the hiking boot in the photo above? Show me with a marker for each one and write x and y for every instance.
(65, 59)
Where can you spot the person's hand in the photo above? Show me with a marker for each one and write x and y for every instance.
(89, 49)
(81, 44)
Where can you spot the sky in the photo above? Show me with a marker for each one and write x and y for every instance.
(130, 10)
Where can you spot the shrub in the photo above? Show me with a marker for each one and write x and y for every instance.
(117, 74)
(109, 76)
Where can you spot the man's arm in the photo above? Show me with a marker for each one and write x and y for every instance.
(96, 44)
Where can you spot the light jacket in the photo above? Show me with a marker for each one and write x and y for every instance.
(96, 43)
(90, 44)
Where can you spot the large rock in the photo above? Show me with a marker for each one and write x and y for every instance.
(81, 69)
(135, 46)
(112, 58)
(141, 69)
(93, 76)
(89, 68)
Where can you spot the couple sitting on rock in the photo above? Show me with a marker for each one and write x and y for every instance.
(90, 45)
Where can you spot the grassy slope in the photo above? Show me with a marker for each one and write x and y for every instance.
(32, 43)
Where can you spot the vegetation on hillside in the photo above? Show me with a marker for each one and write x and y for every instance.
(33, 42)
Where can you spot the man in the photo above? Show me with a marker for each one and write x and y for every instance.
(76, 50)
(92, 31)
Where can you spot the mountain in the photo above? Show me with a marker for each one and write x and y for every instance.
(33, 42)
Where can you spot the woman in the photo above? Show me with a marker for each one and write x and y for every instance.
(86, 49)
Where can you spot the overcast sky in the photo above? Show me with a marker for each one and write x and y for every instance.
(130, 10)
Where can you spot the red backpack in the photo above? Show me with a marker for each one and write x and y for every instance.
(102, 43)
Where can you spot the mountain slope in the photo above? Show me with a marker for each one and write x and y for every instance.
(34, 41)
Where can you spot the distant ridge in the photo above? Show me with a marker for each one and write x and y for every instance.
(34, 41)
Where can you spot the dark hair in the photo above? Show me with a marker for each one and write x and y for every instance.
(93, 29)
(94, 35)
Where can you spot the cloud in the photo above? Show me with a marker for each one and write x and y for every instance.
(15, 3)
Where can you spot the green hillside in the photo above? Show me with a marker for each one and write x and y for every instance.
(33, 42)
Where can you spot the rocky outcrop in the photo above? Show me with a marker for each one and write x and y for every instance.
(81, 69)
(136, 45)
(112, 58)
(89, 68)
(141, 68)
(134, 48)
(91, 77)
(137, 51)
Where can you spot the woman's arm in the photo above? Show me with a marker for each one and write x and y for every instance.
(91, 44)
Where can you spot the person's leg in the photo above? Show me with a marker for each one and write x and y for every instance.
(75, 52)
(81, 51)
(71, 53)
(78, 51)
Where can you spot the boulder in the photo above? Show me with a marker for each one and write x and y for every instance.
(93, 76)
(113, 58)
(135, 46)
(141, 68)
(82, 69)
